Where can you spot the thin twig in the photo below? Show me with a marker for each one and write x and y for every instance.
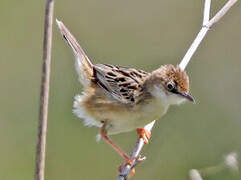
(206, 11)
(207, 24)
(135, 154)
(221, 13)
(44, 94)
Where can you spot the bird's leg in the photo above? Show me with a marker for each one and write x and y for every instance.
(145, 135)
(111, 143)
(142, 133)
(128, 160)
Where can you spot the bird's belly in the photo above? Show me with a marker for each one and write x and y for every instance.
(135, 118)
(120, 118)
(128, 122)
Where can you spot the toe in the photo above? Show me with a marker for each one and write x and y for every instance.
(142, 133)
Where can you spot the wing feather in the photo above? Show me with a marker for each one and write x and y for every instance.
(124, 84)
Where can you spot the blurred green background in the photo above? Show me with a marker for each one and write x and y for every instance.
(139, 33)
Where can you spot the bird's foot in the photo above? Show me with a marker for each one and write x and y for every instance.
(131, 162)
(144, 134)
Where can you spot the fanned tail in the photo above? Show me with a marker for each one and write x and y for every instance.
(83, 65)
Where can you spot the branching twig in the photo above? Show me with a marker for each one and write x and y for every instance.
(44, 94)
(207, 24)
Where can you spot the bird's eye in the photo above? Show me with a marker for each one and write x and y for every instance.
(170, 86)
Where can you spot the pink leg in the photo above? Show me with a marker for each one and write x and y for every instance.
(113, 145)
(117, 148)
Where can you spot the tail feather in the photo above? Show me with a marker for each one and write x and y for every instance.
(83, 65)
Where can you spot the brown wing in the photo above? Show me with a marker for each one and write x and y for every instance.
(124, 84)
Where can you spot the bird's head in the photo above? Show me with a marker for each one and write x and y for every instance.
(170, 84)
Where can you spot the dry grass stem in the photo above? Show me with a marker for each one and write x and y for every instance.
(44, 94)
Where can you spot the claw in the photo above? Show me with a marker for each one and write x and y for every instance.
(130, 163)
(142, 133)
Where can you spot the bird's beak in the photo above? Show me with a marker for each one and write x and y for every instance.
(188, 97)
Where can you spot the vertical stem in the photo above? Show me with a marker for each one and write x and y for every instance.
(44, 94)
(206, 11)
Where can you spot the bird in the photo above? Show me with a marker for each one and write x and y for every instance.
(120, 99)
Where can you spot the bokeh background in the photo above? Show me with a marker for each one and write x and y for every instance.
(138, 33)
